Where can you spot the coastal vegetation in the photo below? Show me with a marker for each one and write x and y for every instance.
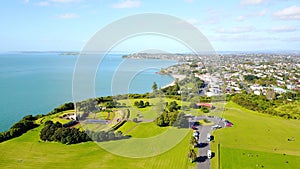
(276, 107)
(141, 118)
(19, 128)
(56, 132)
(236, 147)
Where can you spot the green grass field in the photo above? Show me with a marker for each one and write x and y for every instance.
(257, 134)
(27, 151)
(255, 141)
(150, 113)
(142, 130)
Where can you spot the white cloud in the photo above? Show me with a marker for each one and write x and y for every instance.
(283, 29)
(215, 16)
(52, 2)
(252, 2)
(260, 13)
(127, 4)
(240, 38)
(67, 16)
(26, 1)
(251, 15)
(241, 18)
(290, 13)
(289, 39)
(43, 3)
(236, 30)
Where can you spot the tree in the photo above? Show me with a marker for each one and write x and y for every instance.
(271, 94)
(181, 121)
(147, 104)
(141, 104)
(193, 105)
(193, 142)
(250, 77)
(192, 155)
(154, 87)
(111, 135)
(204, 109)
(136, 103)
(160, 121)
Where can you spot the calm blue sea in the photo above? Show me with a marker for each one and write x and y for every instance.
(35, 83)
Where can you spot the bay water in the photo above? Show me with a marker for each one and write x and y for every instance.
(36, 83)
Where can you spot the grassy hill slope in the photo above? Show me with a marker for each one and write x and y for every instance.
(257, 140)
(27, 151)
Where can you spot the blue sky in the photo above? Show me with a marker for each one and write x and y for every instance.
(233, 25)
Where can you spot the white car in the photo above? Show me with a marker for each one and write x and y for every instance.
(208, 137)
(209, 154)
(216, 126)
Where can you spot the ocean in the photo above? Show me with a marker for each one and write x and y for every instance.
(35, 83)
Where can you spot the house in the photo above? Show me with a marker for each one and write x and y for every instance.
(208, 105)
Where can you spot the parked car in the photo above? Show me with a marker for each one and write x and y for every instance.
(228, 124)
(209, 154)
(208, 137)
(216, 126)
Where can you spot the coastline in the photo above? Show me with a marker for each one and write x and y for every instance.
(174, 76)
(56, 82)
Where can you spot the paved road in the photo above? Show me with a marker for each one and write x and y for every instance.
(202, 161)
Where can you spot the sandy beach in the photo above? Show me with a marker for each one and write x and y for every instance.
(175, 76)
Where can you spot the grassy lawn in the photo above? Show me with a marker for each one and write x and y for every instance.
(241, 158)
(27, 151)
(157, 105)
(148, 113)
(259, 134)
(142, 130)
(62, 121)
(127, 127)
(55, 117)
(102, 115)
(203, 123)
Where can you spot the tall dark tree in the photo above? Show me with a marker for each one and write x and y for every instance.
(154, 87)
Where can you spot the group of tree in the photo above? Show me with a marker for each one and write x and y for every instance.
(171, 116)
(93, 104)
(172, 107)
(56, 132)
(141, 104)
(250, 77)
(253, 102)
(172, 90)
(101, 136)
(139, 96)
(27, 123)
(265, 104)
(166, 119)
(63, 107)
(181, 121)
(66, 135)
